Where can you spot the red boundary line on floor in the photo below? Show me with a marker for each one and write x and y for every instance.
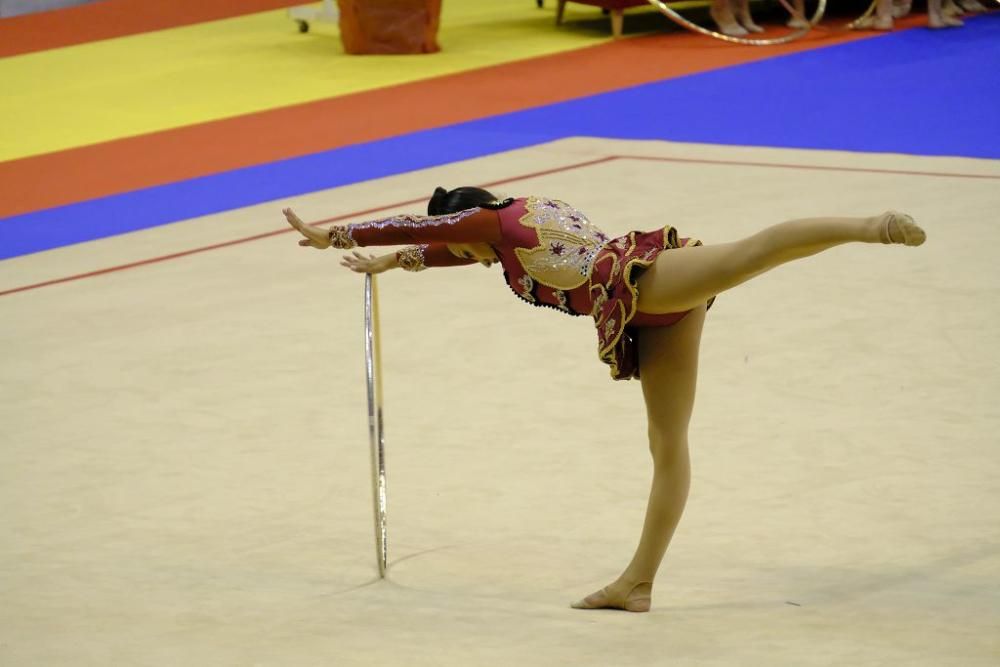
(577, 165)
(818, 167)
(107, 19)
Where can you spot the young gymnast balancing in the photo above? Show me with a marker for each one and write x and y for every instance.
(647, 292)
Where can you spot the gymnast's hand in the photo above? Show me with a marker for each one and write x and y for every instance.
(360, 264)
(317, 238)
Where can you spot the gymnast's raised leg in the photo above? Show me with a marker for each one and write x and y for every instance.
(684, 278)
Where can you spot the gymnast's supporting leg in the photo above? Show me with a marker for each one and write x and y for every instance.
(683, 278)
(668, 359)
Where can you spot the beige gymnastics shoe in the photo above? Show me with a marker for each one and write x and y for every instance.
(901, 228)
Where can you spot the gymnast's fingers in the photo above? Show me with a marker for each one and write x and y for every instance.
(292, 219)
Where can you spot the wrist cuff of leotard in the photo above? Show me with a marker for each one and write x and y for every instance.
(340, 237)
(411, 259)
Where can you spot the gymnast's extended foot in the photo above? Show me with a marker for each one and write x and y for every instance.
(627, 597)
(895, 227)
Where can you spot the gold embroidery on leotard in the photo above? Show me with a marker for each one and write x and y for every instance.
(527, 285)
(411, 258)
(611, 324)
(340, 237)
(561, 298)
(568, 244)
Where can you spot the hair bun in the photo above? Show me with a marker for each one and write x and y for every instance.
(436, 204)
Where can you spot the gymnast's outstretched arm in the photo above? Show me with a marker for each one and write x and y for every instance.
(478, 225)
(411, 258)
(371, 264)
(475, 225)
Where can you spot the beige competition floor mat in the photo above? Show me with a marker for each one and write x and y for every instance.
(184, 470)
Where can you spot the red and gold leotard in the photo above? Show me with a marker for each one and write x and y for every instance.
(552, 256)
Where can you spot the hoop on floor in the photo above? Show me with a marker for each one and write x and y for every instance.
(694, 27)
(376, 434)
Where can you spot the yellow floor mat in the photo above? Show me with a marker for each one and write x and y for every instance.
(96, 92)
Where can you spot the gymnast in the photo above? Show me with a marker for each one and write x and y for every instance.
(648, 293)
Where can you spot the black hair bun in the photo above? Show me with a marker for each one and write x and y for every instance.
(436, 205)
(443, 201)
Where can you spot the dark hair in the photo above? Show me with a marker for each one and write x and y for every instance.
(461, 199)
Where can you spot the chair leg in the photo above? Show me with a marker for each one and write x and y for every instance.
(560, 8)
(617, 21)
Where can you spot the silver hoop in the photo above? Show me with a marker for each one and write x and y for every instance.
(853, 25)
(376, 433)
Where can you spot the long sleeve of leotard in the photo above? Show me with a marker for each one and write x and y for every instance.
(420, 257)
(474, 225)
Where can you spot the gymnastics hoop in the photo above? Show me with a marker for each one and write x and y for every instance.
(694, 27)
(868, 12)
(376, 434)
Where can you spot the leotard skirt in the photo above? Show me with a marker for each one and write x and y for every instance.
(616, 269)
